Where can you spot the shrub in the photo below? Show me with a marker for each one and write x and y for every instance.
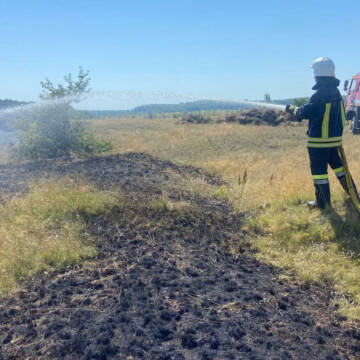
(53, 129)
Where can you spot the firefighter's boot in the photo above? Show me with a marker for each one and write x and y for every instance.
(344, 184)
(322, 194)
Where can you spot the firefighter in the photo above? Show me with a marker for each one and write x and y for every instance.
(326, 115)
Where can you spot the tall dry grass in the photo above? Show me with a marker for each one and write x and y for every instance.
(274, 158)
(45, 230)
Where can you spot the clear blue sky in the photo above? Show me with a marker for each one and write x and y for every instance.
(225, 49)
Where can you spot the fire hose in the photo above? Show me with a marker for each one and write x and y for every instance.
(349, 181)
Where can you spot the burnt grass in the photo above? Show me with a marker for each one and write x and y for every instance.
(164, 285)
(255, 116)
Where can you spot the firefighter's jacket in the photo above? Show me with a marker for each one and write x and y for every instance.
(326, 114)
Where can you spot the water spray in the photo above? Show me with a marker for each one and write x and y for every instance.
(26, 110)
(263, 104)
(23, 110)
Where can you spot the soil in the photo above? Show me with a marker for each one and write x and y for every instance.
(164, 285)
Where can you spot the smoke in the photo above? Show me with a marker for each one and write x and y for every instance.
(24, 111)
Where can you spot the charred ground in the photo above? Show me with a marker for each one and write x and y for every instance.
(165, 283)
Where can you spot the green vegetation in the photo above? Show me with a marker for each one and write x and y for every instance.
(320, 247)
(53, 132)
(53, 129)
(72, 88)
(45, 230)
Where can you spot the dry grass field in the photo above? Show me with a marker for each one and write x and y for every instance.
(274, 159)
(187, 242)
(267, 180)
(268, 177)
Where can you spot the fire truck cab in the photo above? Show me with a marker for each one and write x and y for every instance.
(352, 103)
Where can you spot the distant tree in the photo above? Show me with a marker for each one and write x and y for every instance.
(53, 129)
(301, 101)
(267, 98)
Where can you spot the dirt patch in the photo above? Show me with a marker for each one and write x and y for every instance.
(164, 285)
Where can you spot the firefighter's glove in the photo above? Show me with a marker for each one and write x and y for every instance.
(291, 109)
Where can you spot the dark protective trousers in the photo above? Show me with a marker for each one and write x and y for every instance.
(320, 158)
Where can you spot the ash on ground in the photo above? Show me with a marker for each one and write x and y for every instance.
(165, 284)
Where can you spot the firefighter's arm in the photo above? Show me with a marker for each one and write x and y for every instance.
(293, 110)
(303, 112)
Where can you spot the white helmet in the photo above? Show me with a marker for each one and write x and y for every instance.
(323, 66)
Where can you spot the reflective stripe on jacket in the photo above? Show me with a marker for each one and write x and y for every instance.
(326, 114)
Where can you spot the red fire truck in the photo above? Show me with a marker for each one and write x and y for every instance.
(352, 103)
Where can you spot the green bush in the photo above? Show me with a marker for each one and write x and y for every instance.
(53, 129)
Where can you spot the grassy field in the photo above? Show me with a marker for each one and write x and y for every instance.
(268, 179)
(274, 159)
(45, 230)
(268, 176)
